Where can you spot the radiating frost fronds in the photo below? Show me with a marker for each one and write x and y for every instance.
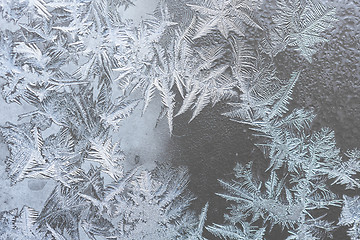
(21, 225)
(350, 216)
(301, 24)
(64, 58)
(258, 89)
(210, 81)
(31, 73)
(116, 113)
(146, 206)
(145, 63)
(197, 233)
(168, 101)
(25, 145)
(109, 156)
(269, 206)
(224, 16)
(283, 97)
(312, 159)
(230, 232)
(344, 172)
(291, 208)
(312, 229)
(99, 46)
(265, 97)
(156, 207)
(65, 205)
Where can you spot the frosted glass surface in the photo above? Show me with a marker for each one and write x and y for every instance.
(179, 119)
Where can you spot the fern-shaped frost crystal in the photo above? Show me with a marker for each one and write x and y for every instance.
(224, 16)
(301, 24)
(350, 216)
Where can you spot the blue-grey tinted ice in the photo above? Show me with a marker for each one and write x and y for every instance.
(95, 93)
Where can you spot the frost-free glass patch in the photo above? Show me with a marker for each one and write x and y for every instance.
(179, 119)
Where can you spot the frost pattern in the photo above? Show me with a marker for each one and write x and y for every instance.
(84, 69)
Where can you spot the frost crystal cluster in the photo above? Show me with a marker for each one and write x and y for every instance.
(83, 69)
